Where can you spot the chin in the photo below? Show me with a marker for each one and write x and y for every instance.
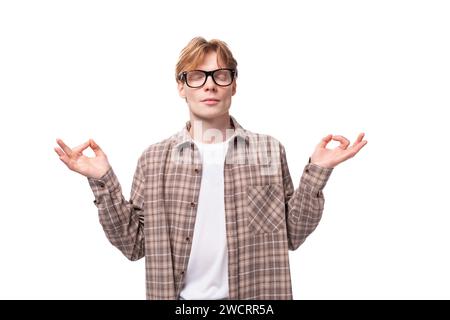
(208, 112)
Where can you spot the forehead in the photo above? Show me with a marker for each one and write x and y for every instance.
(210, 62)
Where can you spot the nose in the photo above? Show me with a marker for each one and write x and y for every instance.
(209, 84)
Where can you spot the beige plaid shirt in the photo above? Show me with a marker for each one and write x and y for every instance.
(265, 216)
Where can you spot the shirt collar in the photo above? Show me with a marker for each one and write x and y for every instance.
(183, 137)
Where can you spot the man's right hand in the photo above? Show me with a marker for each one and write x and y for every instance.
(76, 161)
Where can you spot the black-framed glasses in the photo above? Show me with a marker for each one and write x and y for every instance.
(223, 77)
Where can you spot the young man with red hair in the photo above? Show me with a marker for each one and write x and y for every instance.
(213, 209)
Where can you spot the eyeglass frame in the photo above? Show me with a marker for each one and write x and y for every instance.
(234, 73)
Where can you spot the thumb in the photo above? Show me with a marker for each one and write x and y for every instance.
(95, 147)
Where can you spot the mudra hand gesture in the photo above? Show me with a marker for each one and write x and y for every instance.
(75, 160)
(329, 158)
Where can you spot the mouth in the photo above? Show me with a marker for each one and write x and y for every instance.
(210, 101)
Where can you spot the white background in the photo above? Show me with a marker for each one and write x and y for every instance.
(105, 70)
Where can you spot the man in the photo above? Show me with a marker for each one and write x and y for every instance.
(212, 209)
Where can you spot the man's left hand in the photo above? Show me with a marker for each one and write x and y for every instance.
(329, 158)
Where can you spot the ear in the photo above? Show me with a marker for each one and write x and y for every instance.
(233, 88)
(181, 89)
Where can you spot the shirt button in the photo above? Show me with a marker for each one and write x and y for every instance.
(192, 204)
(102, 185)
(196, 170)
(187, 239)
(182, 272)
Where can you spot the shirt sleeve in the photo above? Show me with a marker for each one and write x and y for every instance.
(121, 220)
(304, 206)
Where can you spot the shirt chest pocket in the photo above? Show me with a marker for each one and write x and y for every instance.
(265, 208)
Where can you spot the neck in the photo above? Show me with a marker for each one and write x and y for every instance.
(214, 130)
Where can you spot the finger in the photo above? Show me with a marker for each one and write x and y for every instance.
(81, 147)
(358, 147)
(344, 141)
(359, 139)
(62, 156)
(354, 149)
(59, 152)
(63, 146)
(95, 147)
(323, 143)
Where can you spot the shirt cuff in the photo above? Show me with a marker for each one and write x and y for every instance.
(316, 176)
(107, 184)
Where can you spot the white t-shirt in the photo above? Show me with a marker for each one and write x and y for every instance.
(207, 271)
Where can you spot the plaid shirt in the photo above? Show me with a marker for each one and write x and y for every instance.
(265, 216)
